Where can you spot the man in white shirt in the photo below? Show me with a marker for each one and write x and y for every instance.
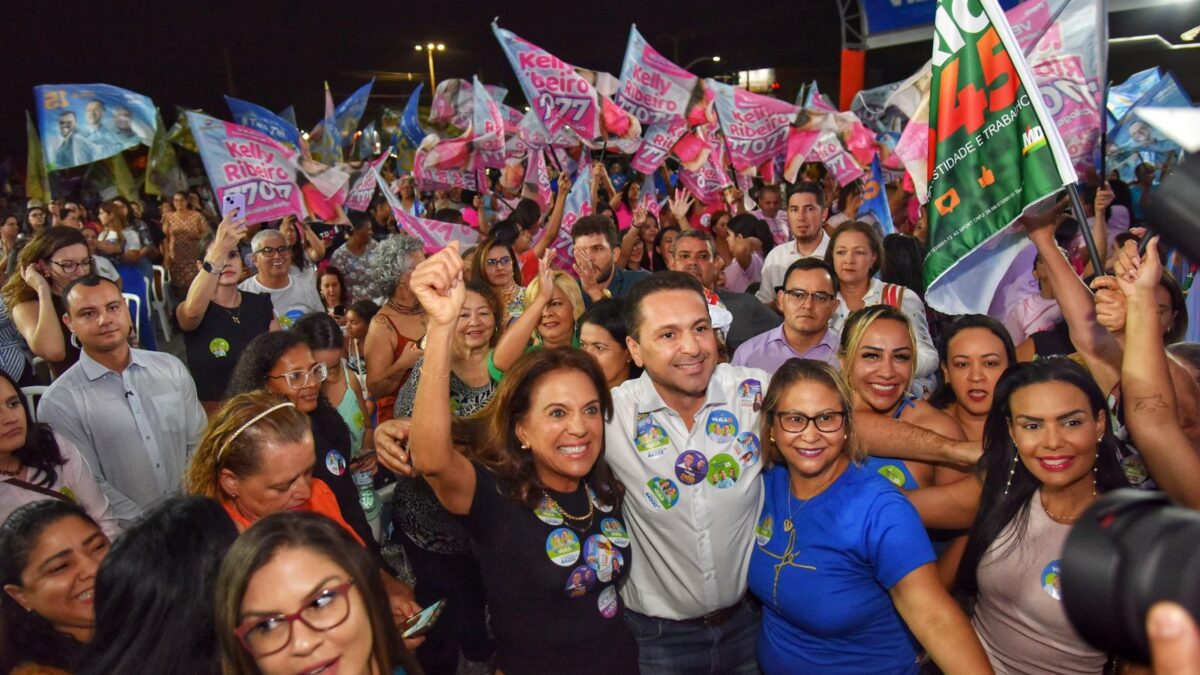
(291, 299)
(806, 214)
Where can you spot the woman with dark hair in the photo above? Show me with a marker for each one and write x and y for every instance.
(495, 263)
(358, 322)
(744, 237)
(183, 228)
(343, 392)
(282, 363)
(902, 262)
(1048, 453)
(842, 566)
(36, 464)
(391, 348)
(50, 261)
(152, 591)
(658, 254)
(849, 201)
(294, 594)
(974, 352)
(532, 485)
(335, 297)
(123, 246)
(602, 334)
(436, 543)
(644, 229)
(353, 260)
(307, 251)
(49, 553)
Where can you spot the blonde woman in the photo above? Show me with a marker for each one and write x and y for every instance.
(553, 304)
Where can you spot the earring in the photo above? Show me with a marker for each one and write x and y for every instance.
(75, 341)
(1011, 471)
(772, 439)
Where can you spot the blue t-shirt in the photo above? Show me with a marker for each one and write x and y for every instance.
(829, 610)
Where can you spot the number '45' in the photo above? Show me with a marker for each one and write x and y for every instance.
(966, 107)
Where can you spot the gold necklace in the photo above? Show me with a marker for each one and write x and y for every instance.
(591, 505)
(788, 524)
(1059, 519)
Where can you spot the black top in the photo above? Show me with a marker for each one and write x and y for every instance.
(214, 347)
(552, 589)
(1053, 342)
(331, 441)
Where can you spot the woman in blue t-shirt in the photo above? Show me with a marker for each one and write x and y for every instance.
(842, 566)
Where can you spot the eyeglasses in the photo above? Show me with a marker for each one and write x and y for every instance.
(269, 251)
(69, 266)
(499, 262)
(798, 295)
(794, 421)
(298, 379)
(328, 609)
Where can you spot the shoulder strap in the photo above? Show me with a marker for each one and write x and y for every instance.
(39, 489)
(892, 295)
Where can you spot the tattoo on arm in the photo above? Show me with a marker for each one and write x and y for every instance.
(1149, 404)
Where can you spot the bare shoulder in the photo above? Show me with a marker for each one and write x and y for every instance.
(924, 415)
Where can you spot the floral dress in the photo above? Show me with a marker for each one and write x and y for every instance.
(185, 230)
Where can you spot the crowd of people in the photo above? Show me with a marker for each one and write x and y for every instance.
(730, 438)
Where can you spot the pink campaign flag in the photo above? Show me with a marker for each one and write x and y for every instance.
(487, 129)
(657, 143)
(427, 176)
(537, 178)
(436, 234)
(652, 89)
(579, 204)
(648, 196)
(708, 180)
(363, 187)
(755, 126)
(829, 151)
(560, 95)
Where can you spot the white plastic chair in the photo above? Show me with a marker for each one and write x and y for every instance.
(135, 308)
(33, 394)
(158, 298)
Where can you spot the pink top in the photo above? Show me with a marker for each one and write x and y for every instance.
(624, 217)
(73, 480)
(738, 279)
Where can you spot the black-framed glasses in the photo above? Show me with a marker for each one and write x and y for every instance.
(298, 379)
(499, 262)
(794, 421)
(69, 266)
(800, 295)
(328, 609)
(269, 251)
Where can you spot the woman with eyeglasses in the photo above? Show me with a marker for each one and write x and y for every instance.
(282, 363)
(392, 345)
(341, 387)
(842, 566)
(856, 253)
(183, 228)
(216, 318)
(496, 264)
(33, 298)
(295, 595)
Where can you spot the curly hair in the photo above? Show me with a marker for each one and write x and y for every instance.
(257, 360)
(391, 261)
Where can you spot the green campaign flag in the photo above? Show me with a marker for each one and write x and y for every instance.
(163, 175)
(37, 183)
(993, 152)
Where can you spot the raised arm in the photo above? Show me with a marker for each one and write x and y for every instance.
(191, 311)
(1146, 384)
(631, 236)
(36, 320)
(439, 286)
(554, 222)
(515, 338)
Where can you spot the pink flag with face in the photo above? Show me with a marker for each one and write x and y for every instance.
(709, 180)
(487, 129)
(537, 179)
(561, 96)
(579, 204)
(451, 103)
(829, 151)
(436, 234)
(652, 89)
(755, 127)
(428, 177)
(656, 145)
(363, 188)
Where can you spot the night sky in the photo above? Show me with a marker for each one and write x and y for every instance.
(279, 53)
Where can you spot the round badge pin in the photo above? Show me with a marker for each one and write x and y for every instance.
(764, 529)
(1052, 579)
(750, 395)
(219, 347)
(615, 531)
(598, 554)
(691, 467)
(562, 546)
(893, 473)
(651, 439)
(335, 463)
(721, 426)
(723, 471)
(748, 449)
(547, 513)
(580, 581)
(661, 493)
(607, 602)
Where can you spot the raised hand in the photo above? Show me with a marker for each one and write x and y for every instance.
(35, 279)
(438, 285)
(639, 216)
(587, 273)
(564, 186)
(545, 278)
(680, 205)
(1104, 197)
(1041, 226)
(391, 445)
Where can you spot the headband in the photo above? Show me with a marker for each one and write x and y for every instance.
(252, 422)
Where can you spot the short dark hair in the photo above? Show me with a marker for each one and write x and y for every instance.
(447, 216)
(655, 283)
(595, 224)
(526, 214)
(319, 331)
(809, 263)
(808, 187)
(365, 309)
(90, 280)
(696, 234)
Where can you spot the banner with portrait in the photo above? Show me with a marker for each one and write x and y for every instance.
(84, 123)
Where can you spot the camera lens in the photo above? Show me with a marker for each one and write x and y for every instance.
(1128, 551)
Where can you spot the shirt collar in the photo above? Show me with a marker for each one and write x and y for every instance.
(94, 370)
(649, 400)
(830, 339)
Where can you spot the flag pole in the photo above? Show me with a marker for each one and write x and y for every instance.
(1084, 229)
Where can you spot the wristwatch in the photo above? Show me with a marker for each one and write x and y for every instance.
(207, 267)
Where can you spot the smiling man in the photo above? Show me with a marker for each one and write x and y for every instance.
(291, 299)
(133, 414)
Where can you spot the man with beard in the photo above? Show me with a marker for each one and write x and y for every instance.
(599, 277)
(72, 150)
(808, 298)
(806, 212)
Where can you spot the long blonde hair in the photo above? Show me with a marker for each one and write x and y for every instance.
(564, 283)
(233, 439)
(856, 326)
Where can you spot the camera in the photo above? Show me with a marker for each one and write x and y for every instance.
(1128, 551)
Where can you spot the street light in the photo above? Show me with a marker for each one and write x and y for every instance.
(430, 48)
(714, 59)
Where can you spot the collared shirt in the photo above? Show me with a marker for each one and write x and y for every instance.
(769, 350)
(778, 261)
(780, 229)
(135, 428)
(693, 497)
(622, 282)
(913, 308)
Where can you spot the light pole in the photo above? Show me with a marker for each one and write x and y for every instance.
(429, 48)
(714, 59)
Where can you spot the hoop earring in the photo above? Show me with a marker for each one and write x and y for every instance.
(1011, 471)
(74, 341)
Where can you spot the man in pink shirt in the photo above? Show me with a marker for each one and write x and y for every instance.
(770, 210)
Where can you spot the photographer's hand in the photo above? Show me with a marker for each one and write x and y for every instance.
(1174, 640)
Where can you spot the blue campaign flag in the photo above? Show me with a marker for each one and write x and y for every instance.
(83, 123)
(1134, 135)
(410, 125)
(289, 114)
(257, 117)
(875, 197)
(350, 111)
(1122, 97)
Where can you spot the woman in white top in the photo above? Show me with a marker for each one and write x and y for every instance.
(37, 464)
(856, 253)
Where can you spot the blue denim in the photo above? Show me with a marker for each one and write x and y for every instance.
(668, 647)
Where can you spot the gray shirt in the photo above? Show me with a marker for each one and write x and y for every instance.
(136, 428)
(297, 298)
